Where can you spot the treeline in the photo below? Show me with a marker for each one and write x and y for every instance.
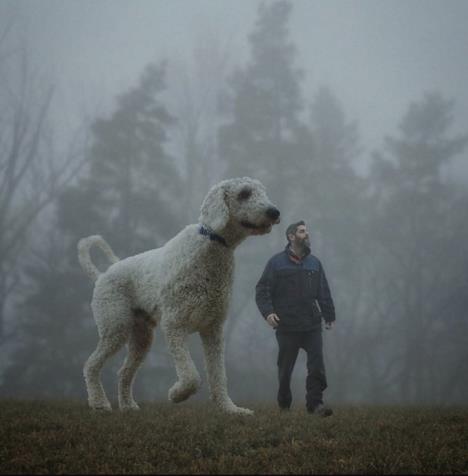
(393, 241)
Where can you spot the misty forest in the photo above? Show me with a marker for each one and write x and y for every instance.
(389, 221)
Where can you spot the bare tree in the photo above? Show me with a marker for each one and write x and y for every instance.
(31, 174)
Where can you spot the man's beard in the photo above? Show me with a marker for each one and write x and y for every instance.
(304, 245)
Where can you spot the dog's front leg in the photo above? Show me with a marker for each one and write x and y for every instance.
(188, 377)
(213, 347)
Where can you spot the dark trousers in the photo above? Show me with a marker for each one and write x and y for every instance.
(316, 382)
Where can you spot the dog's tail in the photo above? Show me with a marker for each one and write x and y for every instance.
(84, 245)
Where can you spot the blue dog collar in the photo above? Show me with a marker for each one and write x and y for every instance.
(207, 231)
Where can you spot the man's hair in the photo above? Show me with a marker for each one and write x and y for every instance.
(291, 229)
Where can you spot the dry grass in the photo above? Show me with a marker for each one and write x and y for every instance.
(66, 437)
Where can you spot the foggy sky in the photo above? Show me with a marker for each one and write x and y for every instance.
(376, 56)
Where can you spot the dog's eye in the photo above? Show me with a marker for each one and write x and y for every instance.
(244, 194)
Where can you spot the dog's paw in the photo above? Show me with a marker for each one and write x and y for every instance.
(133, 406)
(240, 411)
(101, 406)
(232, 409)
(180, 392)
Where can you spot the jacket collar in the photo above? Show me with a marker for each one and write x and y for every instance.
(292, 256)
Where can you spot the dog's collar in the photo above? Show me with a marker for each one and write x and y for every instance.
(207, 231)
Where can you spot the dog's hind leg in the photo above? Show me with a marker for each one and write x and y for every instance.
(106, 348)
(141, 338)
(188, 377)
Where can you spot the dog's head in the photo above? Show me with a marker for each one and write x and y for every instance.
(240, 204)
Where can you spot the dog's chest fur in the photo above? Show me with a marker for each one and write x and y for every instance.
(202, 290)
(191, 277)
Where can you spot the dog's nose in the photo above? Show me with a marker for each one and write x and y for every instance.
(273, 213)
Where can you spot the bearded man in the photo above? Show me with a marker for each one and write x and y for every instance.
(293, 296)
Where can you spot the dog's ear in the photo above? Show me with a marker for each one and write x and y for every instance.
(214, 211)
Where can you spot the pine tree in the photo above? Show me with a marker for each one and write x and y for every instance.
(264, 104)
(413, 224)
(132, 181)
(261, 110)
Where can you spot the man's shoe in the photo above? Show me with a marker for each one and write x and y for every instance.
(321, 410)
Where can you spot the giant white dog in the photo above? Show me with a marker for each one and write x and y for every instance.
(184, 286)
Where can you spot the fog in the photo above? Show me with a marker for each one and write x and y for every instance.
(353, 114)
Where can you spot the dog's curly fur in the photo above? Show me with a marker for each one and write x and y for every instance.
(184, 286)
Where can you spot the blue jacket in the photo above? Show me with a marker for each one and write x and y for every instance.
(291, 288)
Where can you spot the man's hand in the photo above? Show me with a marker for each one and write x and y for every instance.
(273, 320)
(329, 325)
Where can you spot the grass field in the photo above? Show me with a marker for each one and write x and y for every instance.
(66, 437)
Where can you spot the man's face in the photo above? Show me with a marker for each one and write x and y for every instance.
(301, 237)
